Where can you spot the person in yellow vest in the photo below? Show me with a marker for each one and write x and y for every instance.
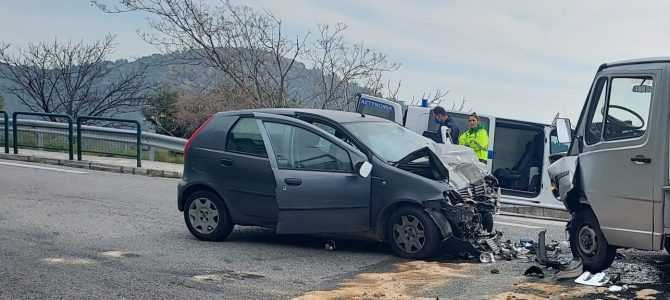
(476, 137)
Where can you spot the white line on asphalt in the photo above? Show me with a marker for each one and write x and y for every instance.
(41, 168)
(518, 225)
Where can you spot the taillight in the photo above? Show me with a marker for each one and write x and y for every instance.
(195, 133)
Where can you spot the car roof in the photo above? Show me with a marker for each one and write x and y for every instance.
(335, 115)
(636, 61)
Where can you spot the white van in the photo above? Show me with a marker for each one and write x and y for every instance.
(519, 151)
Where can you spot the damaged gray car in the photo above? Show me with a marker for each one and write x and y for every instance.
(302, 171)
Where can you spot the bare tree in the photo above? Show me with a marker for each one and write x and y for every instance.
(438, 97)
(72, 78)
(343, 66)
(377, 87)
(248, 46)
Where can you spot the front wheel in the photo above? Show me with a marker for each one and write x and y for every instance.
(588, 242)
(412, 233)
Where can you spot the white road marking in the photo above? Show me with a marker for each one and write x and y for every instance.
(41, 168)
(69, 261)
(519, 225)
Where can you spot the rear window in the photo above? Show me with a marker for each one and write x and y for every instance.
(245, 137)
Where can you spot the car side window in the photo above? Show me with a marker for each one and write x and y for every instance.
(594, 126)
(245, 137)
(337, 133)
(299, 149)
(628, 108)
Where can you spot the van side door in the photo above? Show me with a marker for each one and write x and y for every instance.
(619, 157)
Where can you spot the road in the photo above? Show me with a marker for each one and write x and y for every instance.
(68, 233)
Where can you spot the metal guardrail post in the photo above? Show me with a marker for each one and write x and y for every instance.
(69, 122)
(137, 124)
(5, 117)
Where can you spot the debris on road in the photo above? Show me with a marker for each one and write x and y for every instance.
(598, 279)
(495, 271)
(616, 288)
(646, 294)
(572, 270)
(534, 271)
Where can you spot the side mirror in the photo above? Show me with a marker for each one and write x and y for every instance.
(564, 130)
(364, 169)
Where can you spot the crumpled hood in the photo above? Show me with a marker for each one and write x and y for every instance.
(464, 167)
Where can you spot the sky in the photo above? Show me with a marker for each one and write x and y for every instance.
(525, 60)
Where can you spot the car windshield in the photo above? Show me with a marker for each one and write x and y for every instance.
(390, 141)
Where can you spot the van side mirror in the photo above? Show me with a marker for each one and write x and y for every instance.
(563, 130)
(364, 169)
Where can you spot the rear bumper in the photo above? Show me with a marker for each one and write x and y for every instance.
(180, 195)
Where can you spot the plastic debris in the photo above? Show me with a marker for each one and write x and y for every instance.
(487, 258)
(564, 247)
(615, 288)
(495, 271)
(598, 279)
(571, 270)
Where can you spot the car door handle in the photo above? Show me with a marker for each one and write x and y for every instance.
(226, 162)
(293, 181)
(640, 159)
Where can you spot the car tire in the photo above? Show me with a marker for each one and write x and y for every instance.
(207, 217)
(588, 242)
(411, 233)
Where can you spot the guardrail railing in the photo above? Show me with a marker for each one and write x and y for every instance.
(138, 144)
(39, 134)
(5, 137)
(15, 135)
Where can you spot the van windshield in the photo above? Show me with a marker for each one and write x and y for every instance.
(388, 140)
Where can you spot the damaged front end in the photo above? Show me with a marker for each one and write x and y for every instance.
(471, 197)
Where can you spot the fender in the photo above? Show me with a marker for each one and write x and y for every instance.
(563, 175)
(441, 222)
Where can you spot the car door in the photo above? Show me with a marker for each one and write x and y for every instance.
(618, 158)
(318, 189)
(245, 173)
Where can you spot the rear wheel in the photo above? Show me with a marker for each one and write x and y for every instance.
(412, 233)
(206, 216)
(588, 242)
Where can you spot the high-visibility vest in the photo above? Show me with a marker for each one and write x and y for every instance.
(478, 140)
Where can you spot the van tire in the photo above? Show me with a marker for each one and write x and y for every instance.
(209, 204)
(408, 226)
(588, 242)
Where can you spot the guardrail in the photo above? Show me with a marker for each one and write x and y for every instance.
(16, 135)
(138, 144)
(153, 145)
(5, 118)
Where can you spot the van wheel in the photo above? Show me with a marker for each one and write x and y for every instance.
(588, 242)
(412, 233)
(206, 217)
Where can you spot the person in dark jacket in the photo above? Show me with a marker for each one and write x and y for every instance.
(441, 118)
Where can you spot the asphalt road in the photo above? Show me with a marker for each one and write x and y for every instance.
(68, 233)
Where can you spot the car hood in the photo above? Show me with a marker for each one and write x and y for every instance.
(459, 163)
(464, 167)
(428, 153)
